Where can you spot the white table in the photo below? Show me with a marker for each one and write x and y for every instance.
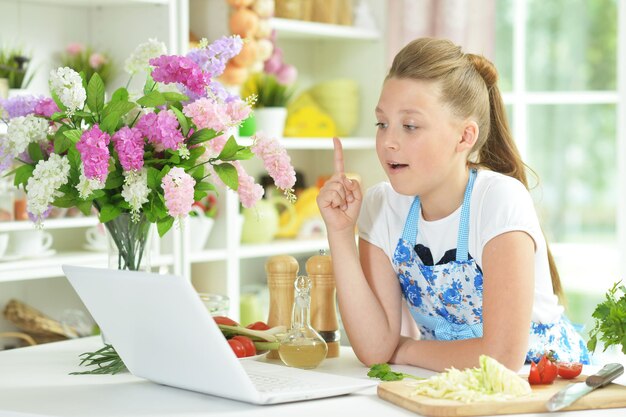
(35, 381)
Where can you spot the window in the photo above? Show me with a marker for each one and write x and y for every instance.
(558, 64)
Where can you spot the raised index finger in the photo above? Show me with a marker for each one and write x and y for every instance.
(338, 155)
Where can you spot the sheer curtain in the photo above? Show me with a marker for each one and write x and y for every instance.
(470, 24)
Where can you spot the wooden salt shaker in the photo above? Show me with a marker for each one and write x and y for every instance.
(281, 271)
(323, 305)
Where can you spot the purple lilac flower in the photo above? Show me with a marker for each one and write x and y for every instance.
(94, 153)
(6, 157)
(21, 105)
(46, 107)
(128, 144)
(179, 69)
(162, 130)
(214, 57)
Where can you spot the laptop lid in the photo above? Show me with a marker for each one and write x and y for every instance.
(162, 330)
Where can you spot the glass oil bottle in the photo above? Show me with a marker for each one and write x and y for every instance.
(302, 347)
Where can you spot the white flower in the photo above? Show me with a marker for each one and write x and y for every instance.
(43, 187)
(135, 189)
(183, 151)
(138, 60)
(86, 186)
(68, 86)
(25, 130)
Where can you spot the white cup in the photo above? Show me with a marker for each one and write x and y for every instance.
(96, 237)
(4, 243)
(31, 242)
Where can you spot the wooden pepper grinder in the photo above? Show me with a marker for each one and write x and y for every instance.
(281, 271)
(323, 305)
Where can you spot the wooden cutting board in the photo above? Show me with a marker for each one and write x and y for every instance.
(399, 393)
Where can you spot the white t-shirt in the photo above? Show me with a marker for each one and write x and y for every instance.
(498, 204)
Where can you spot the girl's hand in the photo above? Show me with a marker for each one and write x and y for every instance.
(340, 199)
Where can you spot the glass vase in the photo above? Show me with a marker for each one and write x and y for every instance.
(129, 242)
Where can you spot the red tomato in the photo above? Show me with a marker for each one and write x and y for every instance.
(225, 321)
(259, 325)
(569, 370)
(237, 347)
(247, 343)
(544, 371)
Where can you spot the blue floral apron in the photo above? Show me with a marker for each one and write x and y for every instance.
(446, 299)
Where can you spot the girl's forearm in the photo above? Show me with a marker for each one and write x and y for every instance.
(372, 337)
(439, 355)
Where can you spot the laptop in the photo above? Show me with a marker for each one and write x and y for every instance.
(164, 333)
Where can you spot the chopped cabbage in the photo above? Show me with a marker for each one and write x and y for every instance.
(492, 381)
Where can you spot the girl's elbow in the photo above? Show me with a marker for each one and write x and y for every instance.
(372, 358)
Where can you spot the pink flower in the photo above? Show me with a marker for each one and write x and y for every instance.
(237, 110)
(178, 187)
(46, 107)
(206, 113)
(287, 74)
(217, 144)
(162, 129)
(74, 48)
(94, 152)
(273, 64)
(275, 159)
(96, 60)
(128, 144)
(179, 69)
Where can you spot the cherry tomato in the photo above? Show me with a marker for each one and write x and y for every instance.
(569, 370)
(247, 343)
(237, 347)
(544, 371)
(259, 325)
(225, 321)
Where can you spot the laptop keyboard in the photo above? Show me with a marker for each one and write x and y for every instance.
(273, 383)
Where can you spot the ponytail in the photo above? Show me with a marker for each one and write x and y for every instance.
(500, 154)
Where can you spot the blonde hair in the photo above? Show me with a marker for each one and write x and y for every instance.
(468, 85)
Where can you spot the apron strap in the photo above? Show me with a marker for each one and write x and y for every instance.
(462, 245)
(409, 234)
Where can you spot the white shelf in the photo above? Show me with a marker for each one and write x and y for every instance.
(208, 255)
(50, 266)
(62, 223)
(320, 143)
(279, 247)
(300, 29)
(91, 3)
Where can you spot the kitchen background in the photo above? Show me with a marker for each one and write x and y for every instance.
(562, 69)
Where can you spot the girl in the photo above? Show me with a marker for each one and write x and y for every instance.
(454, 232)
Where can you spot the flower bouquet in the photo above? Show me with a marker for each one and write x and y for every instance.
(152, 156)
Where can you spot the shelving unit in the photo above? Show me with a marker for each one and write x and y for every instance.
(225, 265)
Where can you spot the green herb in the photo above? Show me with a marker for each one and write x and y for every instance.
(106, 359)
(610, 320)
(383, 372)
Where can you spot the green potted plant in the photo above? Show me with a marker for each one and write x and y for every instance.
(85, 59)
(13, 68)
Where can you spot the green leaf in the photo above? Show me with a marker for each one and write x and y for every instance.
(152, 99)
(120, 107)
(204, 186)
(109, 212)
(197, 173)
(84, 206)
(149, 85)
(34, 151)
(229, 150)
(58, 116)
(95, 94)
(154, 178)
(121, 94)
(110, 122)
(244, 153)
(172, 96)
(66, 201)
(201, 135)
(182, 119)
(58, 102)
(22, 174)
(164, 225)
(228, 175)
(61, 142)
(73, 135)
(114, 180)
(199, 195)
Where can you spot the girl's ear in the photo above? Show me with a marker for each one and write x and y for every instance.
(468, 137)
